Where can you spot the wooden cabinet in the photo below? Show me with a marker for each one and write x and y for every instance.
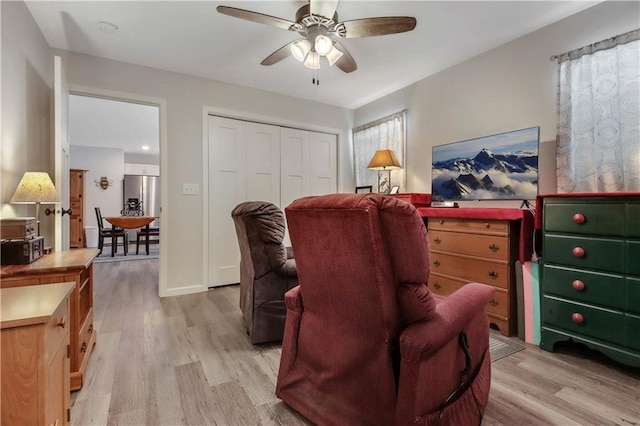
(76, 201)
(477, 250)
(74, 266)
(590, 282)
(35, 354)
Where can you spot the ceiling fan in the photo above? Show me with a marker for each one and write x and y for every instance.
(317, 22)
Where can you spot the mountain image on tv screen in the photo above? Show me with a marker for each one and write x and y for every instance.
(496, 167)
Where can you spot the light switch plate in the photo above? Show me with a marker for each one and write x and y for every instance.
(190, 189)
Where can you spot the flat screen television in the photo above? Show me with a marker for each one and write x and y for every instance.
(496, 167)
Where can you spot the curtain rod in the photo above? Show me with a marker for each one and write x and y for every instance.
(597, 46)
(379, 121)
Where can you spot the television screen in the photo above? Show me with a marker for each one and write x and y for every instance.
(496, 167)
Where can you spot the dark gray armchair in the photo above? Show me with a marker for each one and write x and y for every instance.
(267, 269)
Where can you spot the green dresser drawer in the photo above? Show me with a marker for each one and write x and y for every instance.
(599, 253)
(633, 331)
(633, 220)
(598, 219)
(633, 294)
(599, 323)
(633, 257)
(588, 287)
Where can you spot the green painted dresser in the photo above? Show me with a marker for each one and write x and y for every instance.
(590, 282)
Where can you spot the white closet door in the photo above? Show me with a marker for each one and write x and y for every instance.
(322, 164)
(295, 165)
(263, 163)
(227, 188)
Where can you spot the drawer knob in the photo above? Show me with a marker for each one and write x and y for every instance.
(91, 328)
(494, 248)
(437, 286)
(487, 225)
(577, 318)
(579, 218)
(441, 222)
(83, 348)
(578, 251)
(61, 322)
(577, 285)
(494, 302)
(493, 275)
(437, 240)
(436, 263)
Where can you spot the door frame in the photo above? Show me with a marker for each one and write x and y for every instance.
(161, 103)
(240, 115)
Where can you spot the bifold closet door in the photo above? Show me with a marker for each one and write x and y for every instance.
(244, 165)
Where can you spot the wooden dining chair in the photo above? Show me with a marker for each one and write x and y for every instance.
(146, 235)
(104, 232)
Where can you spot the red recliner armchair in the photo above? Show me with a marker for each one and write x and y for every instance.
(366, 342)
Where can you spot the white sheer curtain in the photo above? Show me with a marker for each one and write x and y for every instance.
(386, 133)
(598, 127)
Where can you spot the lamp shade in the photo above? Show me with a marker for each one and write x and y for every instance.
(384, 159)
(35, 187)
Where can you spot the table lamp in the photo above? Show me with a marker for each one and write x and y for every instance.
(384, 160)
(36, 188)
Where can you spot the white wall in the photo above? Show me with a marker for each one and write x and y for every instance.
(185, 97)
(99, 162)
(511, 87)
(27, 81)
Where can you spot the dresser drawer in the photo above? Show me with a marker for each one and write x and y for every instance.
(599, 323)
(84, 336)
(493, 273)
(458, 224)
(633, 257)
(57, 329)
(632, 331)
(633, 220)
(633, 295)
(582, 218)
(589, 287)
(598, 253)
(487, 246)
(445, 286)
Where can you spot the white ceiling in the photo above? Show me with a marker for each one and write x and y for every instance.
(191, 37)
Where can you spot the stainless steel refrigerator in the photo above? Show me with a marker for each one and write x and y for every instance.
(145, 191)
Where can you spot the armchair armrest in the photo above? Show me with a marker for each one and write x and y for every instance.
(453, 313)
(293, 300)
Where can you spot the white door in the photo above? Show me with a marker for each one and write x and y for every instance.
(227, 188)
(322, 164)
(263, 163)
(295, 165)
(61, 147)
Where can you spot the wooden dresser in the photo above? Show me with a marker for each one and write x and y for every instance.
(590, 281)
(479, 245)
(74, 266)
(35, 354)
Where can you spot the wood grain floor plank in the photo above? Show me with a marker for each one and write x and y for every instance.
(198, 406)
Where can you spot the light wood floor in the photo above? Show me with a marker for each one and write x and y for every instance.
(186, 360)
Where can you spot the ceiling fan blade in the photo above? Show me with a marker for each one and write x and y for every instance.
(278, 55)
(368, 27)
(324, 8)
(346, 63)
(255, 17)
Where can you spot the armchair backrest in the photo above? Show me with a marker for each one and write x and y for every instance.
(353, 253)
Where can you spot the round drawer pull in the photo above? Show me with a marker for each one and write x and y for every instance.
(487, 225)
(437, 240)
(437, 286)
(577, 285)
(578, 251)
(61, 322)
(579, 218)
(441, 222)
(577, 318)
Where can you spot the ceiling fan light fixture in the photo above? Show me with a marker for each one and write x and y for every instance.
(300, 49)
(312, 61)
(323, 45)
(333, 55)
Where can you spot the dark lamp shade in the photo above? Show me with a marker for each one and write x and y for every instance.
(384, 159)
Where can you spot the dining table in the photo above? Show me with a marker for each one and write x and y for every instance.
(129, 222)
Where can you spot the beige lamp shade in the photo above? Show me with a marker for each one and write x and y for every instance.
(384, 159)
(35, 187)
